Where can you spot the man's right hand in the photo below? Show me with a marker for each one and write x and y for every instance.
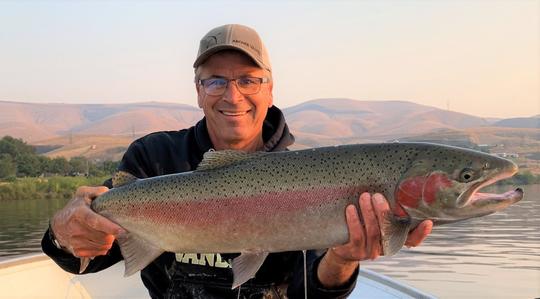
(80, 230)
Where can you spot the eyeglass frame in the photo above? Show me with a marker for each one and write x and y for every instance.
(262, 80)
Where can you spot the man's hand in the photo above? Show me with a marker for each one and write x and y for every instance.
(80, 230)
(340, 262)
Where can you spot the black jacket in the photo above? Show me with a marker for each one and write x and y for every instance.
(182, 275)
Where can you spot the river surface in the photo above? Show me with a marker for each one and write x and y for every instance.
(497, 256)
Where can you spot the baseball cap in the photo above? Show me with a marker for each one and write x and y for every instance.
(233, 37)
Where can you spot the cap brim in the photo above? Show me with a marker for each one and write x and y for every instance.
(202, 58)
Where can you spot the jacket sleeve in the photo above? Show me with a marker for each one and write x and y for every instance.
(314, 287)
(70, 263)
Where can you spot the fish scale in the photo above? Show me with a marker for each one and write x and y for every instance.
(255, 203)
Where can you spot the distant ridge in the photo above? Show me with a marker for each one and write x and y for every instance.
(105, 130)
(520, 122)
(345, 120)
(33, 122)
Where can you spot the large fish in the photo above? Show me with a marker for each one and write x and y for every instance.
(256, 203)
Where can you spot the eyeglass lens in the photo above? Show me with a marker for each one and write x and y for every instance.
(246, 85)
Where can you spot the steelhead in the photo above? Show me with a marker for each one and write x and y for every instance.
(256, 203)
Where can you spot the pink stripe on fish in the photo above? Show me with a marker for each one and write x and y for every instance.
(217, 210)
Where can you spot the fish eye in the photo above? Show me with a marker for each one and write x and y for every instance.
(486, 165)
(466, 175)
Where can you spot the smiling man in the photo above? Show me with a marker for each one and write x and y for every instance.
(235, 115)
(233, 78)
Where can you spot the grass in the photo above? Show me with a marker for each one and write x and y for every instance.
(45, 188)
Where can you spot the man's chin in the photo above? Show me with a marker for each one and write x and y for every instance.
(234, 136)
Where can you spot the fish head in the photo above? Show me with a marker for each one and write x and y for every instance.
(443, 183)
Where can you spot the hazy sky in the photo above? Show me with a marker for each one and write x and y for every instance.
(477, 57)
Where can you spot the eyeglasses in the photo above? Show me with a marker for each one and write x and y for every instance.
(246, 85)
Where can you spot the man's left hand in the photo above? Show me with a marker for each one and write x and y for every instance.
(364, 243)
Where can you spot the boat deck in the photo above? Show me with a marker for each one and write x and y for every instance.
(37, 276)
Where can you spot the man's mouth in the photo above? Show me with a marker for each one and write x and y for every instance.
(234, 113)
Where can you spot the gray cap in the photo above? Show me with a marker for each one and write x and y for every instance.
(233, 37)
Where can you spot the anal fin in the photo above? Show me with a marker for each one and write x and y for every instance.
(85, 261)
(137, 252)
(246, 265)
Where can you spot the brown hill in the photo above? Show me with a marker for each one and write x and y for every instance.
(34, 122)
(71, 129)
(98, 147)
(37, 121)
(338, 121)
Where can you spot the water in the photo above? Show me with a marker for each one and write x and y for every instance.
(22, 224)
(497, 256)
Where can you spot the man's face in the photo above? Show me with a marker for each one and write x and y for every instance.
(234, 120)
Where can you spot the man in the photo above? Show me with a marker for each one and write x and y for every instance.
(233, 78)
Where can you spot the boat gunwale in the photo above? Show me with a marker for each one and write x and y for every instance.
(22, 259)
(373, 276)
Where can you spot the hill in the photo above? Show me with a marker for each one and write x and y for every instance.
(36, 122)
(95, 147)
(338, 121)
(520, 122)
(103, 131)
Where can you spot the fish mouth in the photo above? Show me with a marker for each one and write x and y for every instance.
(473, 197)
(510, 197)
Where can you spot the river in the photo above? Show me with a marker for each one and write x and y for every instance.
(497, 256)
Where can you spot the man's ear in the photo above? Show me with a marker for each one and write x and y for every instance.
(271, 94)
(200, 95)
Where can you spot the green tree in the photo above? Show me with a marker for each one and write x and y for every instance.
(7, 166)
(109, 167)
(28, 165)
(15, 147)
(79, 165)
(59, 166)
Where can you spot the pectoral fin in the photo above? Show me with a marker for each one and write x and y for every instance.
(137, 252)
(246, 265)
(394, 234)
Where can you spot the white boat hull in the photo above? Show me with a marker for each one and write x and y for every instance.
(37, 276)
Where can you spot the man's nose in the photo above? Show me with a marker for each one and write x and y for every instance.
(232, 94)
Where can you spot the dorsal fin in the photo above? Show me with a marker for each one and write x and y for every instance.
(121, 178)
(217, 159)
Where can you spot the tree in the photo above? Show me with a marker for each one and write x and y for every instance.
(15, 147)
(59, 166)
(7, 166)
(79, 165)
(28, 165)
(109, 167)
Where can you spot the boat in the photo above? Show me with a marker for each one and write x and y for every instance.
(37, 276)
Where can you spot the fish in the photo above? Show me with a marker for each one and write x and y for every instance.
(262, 202)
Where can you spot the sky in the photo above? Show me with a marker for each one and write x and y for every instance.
(478, 57)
